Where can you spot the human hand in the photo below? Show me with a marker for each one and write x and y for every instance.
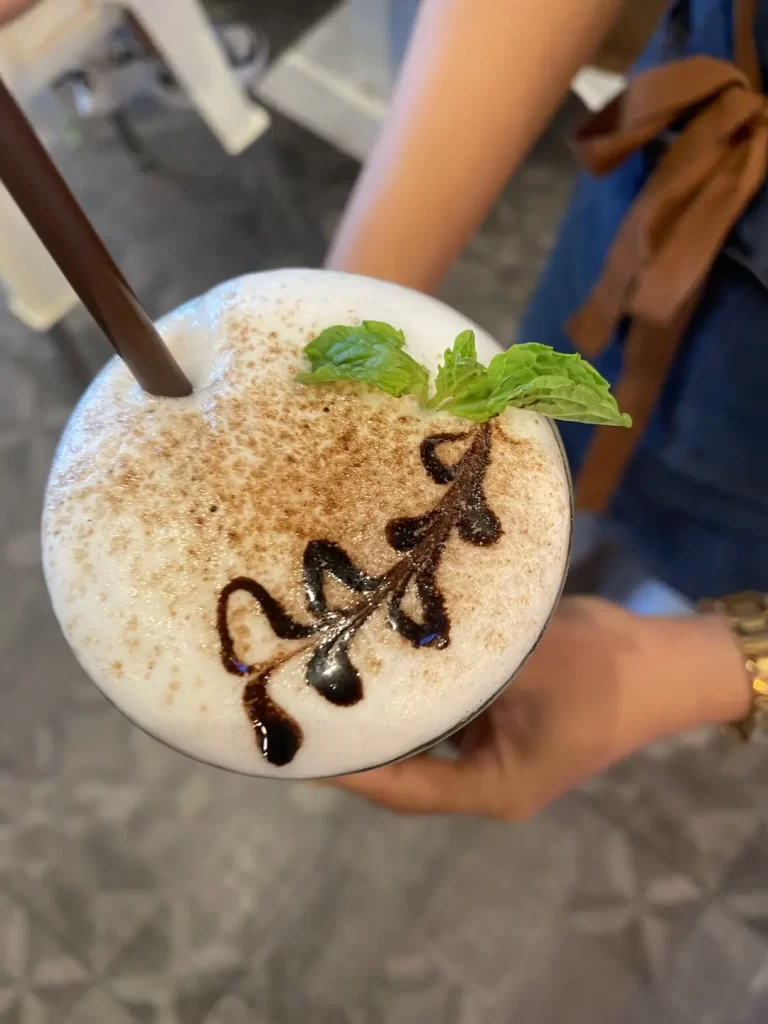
(602, 683)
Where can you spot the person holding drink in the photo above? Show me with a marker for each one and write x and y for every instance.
(658, 277)
(659, 274)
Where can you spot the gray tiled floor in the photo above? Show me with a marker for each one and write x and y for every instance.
(138, 886)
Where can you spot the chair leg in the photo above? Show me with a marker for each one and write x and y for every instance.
(183, 35)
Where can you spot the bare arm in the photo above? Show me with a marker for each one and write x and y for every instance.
(480, 80)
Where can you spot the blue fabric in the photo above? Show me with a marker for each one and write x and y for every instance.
(402, 15)
(694, 501)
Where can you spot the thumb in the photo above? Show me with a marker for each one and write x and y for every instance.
(422, 785)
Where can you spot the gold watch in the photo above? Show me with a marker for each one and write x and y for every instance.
(747, 615)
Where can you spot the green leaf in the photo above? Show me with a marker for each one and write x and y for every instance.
(385, 331)
(458, 370)
(564, 387)
(536, 377)
(371, 352)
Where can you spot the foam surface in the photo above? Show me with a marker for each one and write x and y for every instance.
(153, 505)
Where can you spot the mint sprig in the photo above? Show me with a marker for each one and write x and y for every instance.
(564, 387)
(535, 377)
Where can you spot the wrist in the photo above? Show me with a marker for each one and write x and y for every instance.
(696, 670)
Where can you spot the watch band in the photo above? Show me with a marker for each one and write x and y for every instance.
(747, 615)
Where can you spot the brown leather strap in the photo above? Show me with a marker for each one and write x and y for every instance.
(745, 50)
(659, 261)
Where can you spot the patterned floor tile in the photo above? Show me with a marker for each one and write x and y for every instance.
(368, 901)
(476, 921)
(745, 888)
(696, 799)
(232, 1010)
(630, 905)
(177, 967)
(99, 1007)
(573, 887)
(720, 975)
(39, 981)
(432, 995)
(650, 1008)
(93, 891)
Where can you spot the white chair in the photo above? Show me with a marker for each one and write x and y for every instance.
(50, 37)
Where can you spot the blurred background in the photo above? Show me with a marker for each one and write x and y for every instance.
(139, 887)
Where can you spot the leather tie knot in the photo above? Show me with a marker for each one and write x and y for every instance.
(661, 256)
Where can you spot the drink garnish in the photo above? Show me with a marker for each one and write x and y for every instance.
(371, 352)
(529, 376)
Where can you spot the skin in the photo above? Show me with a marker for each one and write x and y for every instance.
(10, 8)
(479, 83)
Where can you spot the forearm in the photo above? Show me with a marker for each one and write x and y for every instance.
(685, 673)
(479, 82)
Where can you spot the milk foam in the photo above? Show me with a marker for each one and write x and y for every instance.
(153, 505)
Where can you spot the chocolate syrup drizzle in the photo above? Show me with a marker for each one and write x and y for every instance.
(420, 539)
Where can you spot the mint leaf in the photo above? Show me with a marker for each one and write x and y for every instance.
(536, 377)
(458, 370)
(371, 352)
(385, 331)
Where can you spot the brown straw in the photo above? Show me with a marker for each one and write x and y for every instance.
(44, 198)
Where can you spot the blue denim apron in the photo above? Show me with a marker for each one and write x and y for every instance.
(693, 503)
